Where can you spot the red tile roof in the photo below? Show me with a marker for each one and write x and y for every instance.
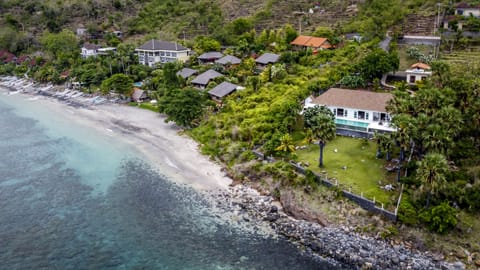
(354, 99)
(314, 42)
(420, 66)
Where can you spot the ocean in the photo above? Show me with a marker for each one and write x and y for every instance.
(72, 198)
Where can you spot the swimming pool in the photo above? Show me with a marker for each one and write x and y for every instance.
(356, 124)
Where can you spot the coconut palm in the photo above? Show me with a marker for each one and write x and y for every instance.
(431, 173)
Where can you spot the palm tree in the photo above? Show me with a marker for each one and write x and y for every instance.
(324, 130)
(432, 172)
(286, 144)
(388, 145)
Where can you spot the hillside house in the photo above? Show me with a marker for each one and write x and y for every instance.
(138, 95)
(222, 90)
(357, 112)
(452, 22)
(315, 43)
(202, 80)
(266, 59)
(228, 60)
(89, 50)
(156, 52)
(209, 57)
(186, 73)
(418, 72)
(467, 10)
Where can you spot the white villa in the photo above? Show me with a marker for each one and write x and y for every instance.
(94, 50)
(154, 52)
(89, 49)
(467, 10)
(418, 72)
(356, 111)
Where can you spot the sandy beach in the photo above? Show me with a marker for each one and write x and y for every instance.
(175, 156)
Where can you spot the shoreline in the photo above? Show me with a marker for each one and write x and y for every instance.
(147, 132)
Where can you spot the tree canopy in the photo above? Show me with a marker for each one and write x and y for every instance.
(120, 83)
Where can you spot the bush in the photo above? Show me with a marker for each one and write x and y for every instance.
(407, 213)
(472, 197)
(441, 218)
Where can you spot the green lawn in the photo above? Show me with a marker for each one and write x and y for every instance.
(363, 170)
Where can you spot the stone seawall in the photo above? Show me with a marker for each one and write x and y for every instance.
(347, 248)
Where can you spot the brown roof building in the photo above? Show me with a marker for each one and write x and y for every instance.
(354, 99)
(357, 112)
(312, 42)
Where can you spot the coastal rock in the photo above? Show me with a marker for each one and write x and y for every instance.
(290, 207)
(342, 245)
(458, 266)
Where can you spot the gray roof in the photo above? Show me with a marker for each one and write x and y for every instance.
(90, 46)
(223, 89)
(138, 94)
(210, 55)
(158, 45)
(204, 78)
(267, 58)
(228, 59)
(186, 72)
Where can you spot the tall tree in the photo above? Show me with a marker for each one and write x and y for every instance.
(119, 83)
(61, 46)
(377, 63)
(183, 106)
(322, 122)
(431, 173)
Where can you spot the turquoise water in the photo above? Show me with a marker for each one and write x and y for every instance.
(71, 198)
(351, 123)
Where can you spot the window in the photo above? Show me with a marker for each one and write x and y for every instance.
(339, 112)
(460, 12)
(376, 116)
(162, 53)
(335, 111)
(424, 78)
(157, 54)
(174, 54)
(361, 115)
(412, 79)
(345, 113)
(384, 117)
(167, 53)
(355, 114)
(366, 116)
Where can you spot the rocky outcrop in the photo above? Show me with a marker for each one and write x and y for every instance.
(342, 244)
(293, 209)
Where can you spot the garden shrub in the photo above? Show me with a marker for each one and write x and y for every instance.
(441, 218)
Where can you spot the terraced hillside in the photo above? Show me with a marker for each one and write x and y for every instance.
(470, 57)
(308, 14)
